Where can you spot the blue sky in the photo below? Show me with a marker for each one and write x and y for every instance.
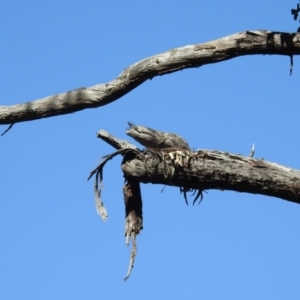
(53, 243)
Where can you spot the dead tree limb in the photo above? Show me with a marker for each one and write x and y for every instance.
(134, 217)
(113, 141)
(196, 171)
(207, 169)
(192, 56)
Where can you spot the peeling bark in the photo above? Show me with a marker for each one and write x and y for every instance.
(134, 217)
(192, 56)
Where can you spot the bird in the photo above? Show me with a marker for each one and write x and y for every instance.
(151, 138)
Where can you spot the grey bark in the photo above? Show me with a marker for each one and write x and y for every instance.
(206, 169)
(192, 56)
(113, 141)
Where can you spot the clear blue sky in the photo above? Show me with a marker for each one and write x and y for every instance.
(53, 243)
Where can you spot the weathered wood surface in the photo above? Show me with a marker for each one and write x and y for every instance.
(113, 141)
(206, 169)
(192, 56)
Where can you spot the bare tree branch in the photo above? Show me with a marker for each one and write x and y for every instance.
(192, 56)
(207, 169)
(113, 141)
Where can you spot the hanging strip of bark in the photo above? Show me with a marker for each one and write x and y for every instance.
(131, 191)
(134, 217)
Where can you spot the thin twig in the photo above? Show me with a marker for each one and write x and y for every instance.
(252, 150)
(106, 159)
(132, 255)
(9, 127)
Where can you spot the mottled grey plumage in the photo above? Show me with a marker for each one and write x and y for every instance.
(151, 138)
